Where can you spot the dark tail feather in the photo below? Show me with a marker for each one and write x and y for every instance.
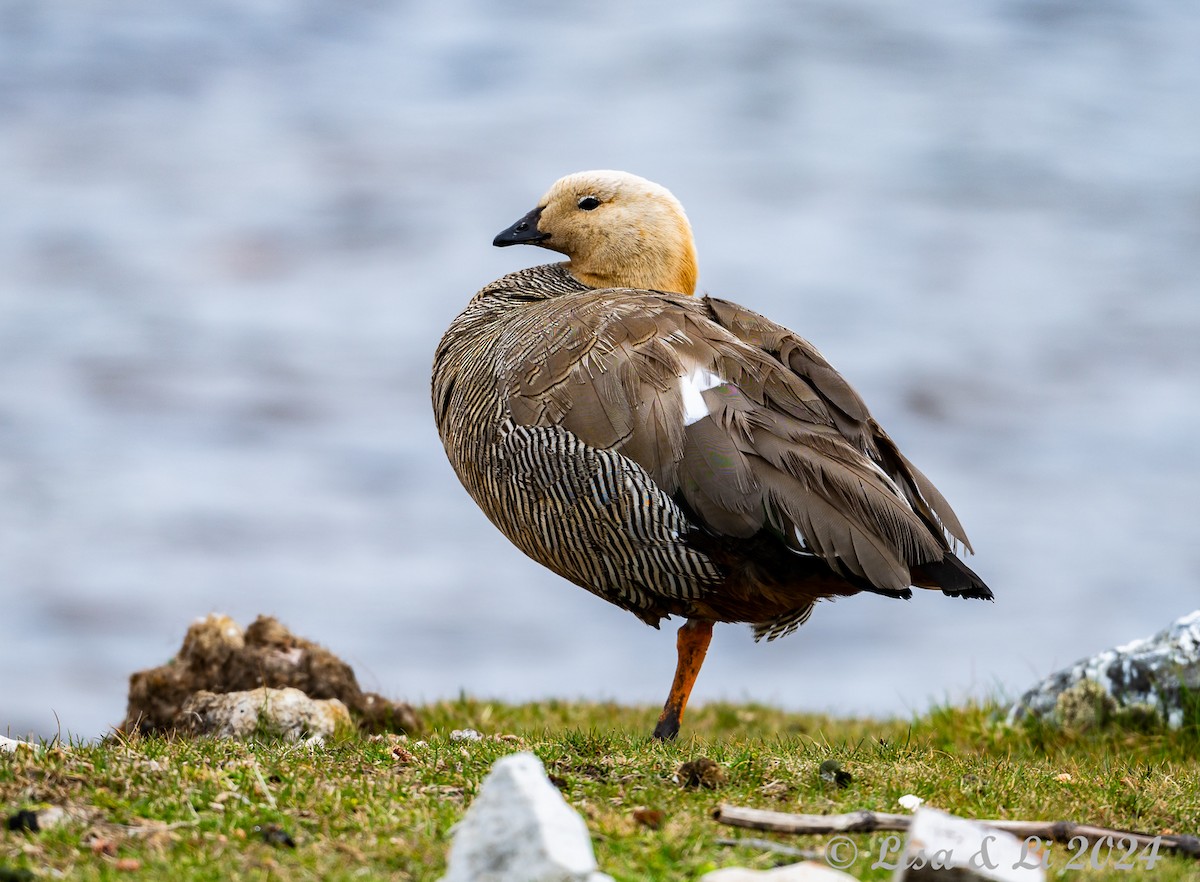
(953, 577)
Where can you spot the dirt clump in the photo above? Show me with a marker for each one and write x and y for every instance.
(218, 656)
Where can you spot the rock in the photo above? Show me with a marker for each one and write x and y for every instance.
(51, 817)
(12, 745)
(217, 656)
(23, 820)
(943, 846)
(48, 817)
(1152, 672)
(831, 771)
(520, 829)
(465, 735)
(273, 834)
(281, 713)
(808, 871)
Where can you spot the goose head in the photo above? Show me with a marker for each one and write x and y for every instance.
(618, 231)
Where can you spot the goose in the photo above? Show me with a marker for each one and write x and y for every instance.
(674, 454)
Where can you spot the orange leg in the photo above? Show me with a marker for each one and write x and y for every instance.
(691, 643)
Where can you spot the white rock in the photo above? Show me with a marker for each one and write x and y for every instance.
(942, 846)
(12, 745)
(282, 713)
(52, 816)
(1148, 671)
(910, 801)
(465, 735)
(809, 871)
(520, 829)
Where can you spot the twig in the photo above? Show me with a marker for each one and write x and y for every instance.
(785, 822)
(768, 845)
(869, 822)
(152, 827)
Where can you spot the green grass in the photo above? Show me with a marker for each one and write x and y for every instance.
(153, 808)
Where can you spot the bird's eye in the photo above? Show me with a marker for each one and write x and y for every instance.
(587, 203)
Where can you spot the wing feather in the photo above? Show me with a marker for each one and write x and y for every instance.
(781, 442)
(847, 409)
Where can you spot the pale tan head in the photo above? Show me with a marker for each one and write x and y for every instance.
(619, 231)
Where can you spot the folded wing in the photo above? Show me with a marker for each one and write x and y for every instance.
(739, 420)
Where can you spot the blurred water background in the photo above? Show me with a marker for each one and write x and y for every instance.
(232, 233)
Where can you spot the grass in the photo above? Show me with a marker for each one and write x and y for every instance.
(152, 808)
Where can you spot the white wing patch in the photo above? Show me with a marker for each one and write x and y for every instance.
(804, 548)
(691, 385)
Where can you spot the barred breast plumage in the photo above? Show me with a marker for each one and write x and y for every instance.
(674, 455)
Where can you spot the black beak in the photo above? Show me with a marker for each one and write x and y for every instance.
(523, 232)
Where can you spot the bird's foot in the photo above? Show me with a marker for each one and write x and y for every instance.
(691, 643)
(667, 728)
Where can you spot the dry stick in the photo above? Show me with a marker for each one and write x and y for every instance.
(869, 822)
(769, 845)
(148, 829)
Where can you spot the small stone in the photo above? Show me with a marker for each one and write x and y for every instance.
(273, 834)
(282, 713)
(52, 816)
(520, 829)
(465, 735)
(832, 772)
(910, 801)
(701, 772)
(808, 871)
(45, 818)
(23, 820)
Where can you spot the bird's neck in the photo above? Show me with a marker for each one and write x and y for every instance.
(671, 269)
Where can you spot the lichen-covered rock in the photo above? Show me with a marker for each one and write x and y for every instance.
(1137, 680)
(520, 829)
(1084, 706)
(217, 656)
(274, 713)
